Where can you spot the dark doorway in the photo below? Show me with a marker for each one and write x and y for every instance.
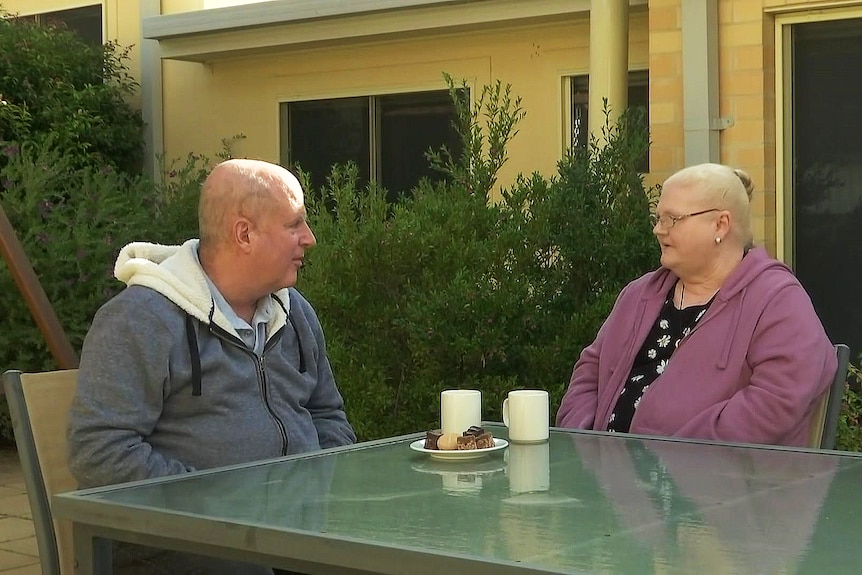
(827, 172)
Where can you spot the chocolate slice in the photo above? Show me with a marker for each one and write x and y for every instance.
(474, 430)
(484, 441)
(466, 442)
(431, 438)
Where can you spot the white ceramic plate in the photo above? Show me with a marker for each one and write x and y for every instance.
(458, 455)
(484, 466)
(543, 498)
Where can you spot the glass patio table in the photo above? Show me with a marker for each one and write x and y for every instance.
(583, 502)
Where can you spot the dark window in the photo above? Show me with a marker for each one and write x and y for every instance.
(85, 21)
(386, 136)
(323, 133)
(638, 96)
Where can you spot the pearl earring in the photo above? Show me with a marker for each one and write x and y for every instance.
(717, 241)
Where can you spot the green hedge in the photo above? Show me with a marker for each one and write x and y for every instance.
(72, 221)
(69, 148)
(56, 88)
(446, 290)
(849, 436)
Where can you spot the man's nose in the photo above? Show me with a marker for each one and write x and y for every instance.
(309, 239)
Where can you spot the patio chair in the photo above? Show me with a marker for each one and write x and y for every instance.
(39, 405)
(824, 424)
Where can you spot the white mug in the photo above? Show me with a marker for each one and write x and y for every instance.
(459, 409)
(462, 483)
(528, 467)
(526, 413)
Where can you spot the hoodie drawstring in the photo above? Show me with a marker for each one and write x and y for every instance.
(302, 368)
(195, 354)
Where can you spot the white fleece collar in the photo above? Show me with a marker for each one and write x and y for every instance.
(174, 272)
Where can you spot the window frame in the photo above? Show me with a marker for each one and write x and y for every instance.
(637, 78)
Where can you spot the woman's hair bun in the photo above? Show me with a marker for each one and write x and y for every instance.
(746, 181)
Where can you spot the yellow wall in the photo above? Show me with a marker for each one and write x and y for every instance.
(122, 24)
(204, 103)
(176, 6)
(746, 88)
(213, 101)
(747, 55)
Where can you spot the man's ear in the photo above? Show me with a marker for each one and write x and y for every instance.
(242, 234)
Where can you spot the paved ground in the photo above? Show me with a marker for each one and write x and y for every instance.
(18, 552)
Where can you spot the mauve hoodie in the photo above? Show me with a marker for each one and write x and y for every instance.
(750, 371)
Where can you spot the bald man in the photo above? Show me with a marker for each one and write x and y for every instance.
(210, 356)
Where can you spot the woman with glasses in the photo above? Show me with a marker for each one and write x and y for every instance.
(721, 342)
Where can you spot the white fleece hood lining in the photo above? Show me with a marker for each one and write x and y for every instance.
(173, 271)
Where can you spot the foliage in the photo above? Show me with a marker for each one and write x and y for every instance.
(482, 155)
(849, 436)
(70, 151)
(72, 222)
(445, 290)
(57, 89)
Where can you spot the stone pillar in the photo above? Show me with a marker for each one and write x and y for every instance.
(609, 61)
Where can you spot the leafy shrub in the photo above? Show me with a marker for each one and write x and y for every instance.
(72, 222)
(56, 88)
(444, 289)
(849, 436)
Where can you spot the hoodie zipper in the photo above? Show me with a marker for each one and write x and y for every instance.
(261, 372)
(260, 365)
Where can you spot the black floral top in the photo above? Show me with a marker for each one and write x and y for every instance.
(670, 327)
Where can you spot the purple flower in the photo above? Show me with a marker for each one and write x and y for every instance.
(11, 150)
(7, 184)
(81, 253)
(42, 237)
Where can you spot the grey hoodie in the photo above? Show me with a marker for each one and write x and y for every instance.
(143, 408)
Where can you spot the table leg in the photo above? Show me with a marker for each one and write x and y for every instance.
(93, 554)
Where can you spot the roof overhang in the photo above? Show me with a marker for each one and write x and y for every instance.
(207, 35)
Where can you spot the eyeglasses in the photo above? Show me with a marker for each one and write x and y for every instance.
(668, 221)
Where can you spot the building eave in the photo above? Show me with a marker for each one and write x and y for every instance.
(206, 35)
